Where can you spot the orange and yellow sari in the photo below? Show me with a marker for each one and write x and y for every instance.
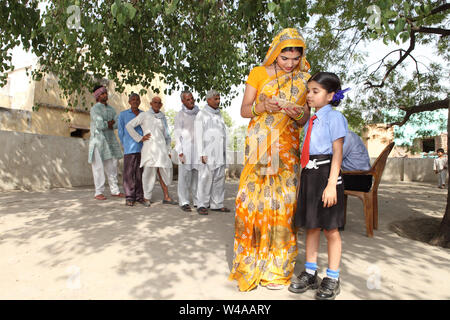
(265, 245)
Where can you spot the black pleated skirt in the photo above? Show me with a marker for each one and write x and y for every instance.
(310, 212)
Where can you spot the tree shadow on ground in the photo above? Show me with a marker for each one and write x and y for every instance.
(165, 244)
(163, 252)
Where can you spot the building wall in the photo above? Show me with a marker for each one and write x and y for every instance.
(18, 93)
(15, 120)
(440, 141)
(37, 162)
(39, 107)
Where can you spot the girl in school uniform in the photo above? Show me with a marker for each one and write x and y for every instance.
(320, 201)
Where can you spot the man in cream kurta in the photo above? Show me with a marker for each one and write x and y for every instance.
(185, 146)
(155, 150)
(210, 135)
(156, 105)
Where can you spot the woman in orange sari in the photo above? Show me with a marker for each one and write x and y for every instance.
(265, 245)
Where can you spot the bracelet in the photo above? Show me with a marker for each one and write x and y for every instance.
(299, 116)
(254, 111)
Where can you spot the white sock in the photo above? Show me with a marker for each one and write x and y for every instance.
(310, 271)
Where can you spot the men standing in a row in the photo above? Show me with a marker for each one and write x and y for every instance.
(185, 146)
(155, 151)
(210, 136)
(104, 149)
(132, 171)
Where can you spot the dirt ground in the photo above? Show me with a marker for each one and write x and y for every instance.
(63, 244)
(417, 229)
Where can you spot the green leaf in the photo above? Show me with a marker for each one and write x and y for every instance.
(399, 25)
(131, 10)
(271, 6)
(121, 19)
(407, 8)
(404, 36)
(171, 7)
(114, 10)
(389, 14)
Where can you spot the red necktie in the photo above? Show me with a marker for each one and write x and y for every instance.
(305, 151)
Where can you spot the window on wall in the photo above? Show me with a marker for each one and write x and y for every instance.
(428, 145)
(77, 131)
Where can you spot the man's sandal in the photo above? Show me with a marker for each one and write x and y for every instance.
(146, 203)
(222, 210)
(100, 197)
(169, 202)
(119, 195)
(186, 208)
(202, 211)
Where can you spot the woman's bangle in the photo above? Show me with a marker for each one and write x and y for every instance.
(299, 116)
(254, 111)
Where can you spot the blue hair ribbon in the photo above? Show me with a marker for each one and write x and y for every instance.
(339, 95)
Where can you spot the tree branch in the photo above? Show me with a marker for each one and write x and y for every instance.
(412, 44)
(444, 7)
(432, 106)
(442, 32)
(414, 30)
(436, 10)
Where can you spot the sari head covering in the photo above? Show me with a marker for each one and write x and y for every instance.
(265, 243)
(288, 37)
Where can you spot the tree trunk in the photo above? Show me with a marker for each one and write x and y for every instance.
(442, 238)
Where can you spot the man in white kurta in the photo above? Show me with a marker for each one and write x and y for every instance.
(210, 134)
(155, 150)
(156, 105)
(185, 146)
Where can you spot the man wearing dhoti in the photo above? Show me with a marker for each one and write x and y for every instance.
(104, 149)
(155, 150)
(210, 135)
(186, 149)
(156, 105)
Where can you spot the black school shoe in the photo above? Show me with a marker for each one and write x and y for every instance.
(304, 282)
(329, 289)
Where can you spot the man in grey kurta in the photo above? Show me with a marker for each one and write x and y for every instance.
(104, 149)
